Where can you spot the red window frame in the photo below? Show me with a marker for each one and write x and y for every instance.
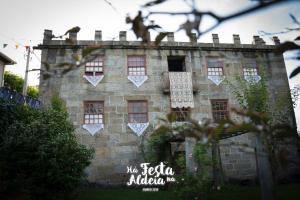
(95, 66)
(219, 109)
(138, 111)
(215, 66)
(136, 65)
(181, 113)
(93, 112)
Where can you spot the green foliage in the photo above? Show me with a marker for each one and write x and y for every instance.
(33, 91)
(15, 82)
(251, 96)
(58, 104)
(39, 155)
(157, 145)
(198, 185)
(180, 163)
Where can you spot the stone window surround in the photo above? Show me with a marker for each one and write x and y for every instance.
(98, 115)
(134, 66)
(130, 104)
(219, 114)
(98, 62)
(219, 68)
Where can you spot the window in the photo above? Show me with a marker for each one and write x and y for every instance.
(176, 63)
(250, 69)
(214, 67)
(93, 112)
(219, 109)
(94, 67)
(138, 111)
(181, 113)
(136, 65)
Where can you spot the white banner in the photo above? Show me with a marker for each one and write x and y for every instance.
(252, 78)
(216, 79)
(94, 80)
(137, 80)
(93, 128)
(181, 89)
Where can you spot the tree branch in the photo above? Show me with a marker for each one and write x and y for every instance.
(220, 19)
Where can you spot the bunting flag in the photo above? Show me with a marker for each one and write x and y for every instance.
(137, 80)
(93, 128)
(94, 80)
(16, 46)
(217, 79)
(138, 128)
(252, 78)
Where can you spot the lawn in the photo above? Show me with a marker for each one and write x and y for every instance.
(284, 192)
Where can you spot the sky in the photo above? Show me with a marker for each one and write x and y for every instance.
(23, 22)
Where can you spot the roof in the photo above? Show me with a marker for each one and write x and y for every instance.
(6, 59)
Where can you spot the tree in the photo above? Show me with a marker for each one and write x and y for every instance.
(40, 157)
(15, 82)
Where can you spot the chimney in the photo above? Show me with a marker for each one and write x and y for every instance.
(276, 40)
(236, 39)
(215, 38)
(98, 35)
(262, 42)
(73, 36)
(170, 37)
(122, 36)
(256, 40)
(193, 38)
(47, 35)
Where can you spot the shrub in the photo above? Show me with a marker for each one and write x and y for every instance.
(39, 155)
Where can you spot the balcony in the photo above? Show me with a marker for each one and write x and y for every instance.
(166, 82)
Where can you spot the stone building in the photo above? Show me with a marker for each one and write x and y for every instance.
(119, 95)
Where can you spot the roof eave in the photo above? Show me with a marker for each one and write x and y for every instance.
(7, 60)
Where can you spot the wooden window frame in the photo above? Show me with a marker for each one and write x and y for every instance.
(130, 103)
(145, 65)
(220, 112)
(218, 67)
(254, 69)
(94, 65)
(89, 118)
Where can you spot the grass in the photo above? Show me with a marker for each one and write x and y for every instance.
(116, 194)
(284, 192)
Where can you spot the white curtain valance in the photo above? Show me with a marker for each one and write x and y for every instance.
(137, 80)
(181, 89)
(138, 128)
(94, 80)
(93, 128)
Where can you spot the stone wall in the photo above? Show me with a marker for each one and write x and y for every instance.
(117, 145)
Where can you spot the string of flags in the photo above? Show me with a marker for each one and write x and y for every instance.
(16, 46)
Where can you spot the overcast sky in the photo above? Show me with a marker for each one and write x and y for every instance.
(23, 22)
